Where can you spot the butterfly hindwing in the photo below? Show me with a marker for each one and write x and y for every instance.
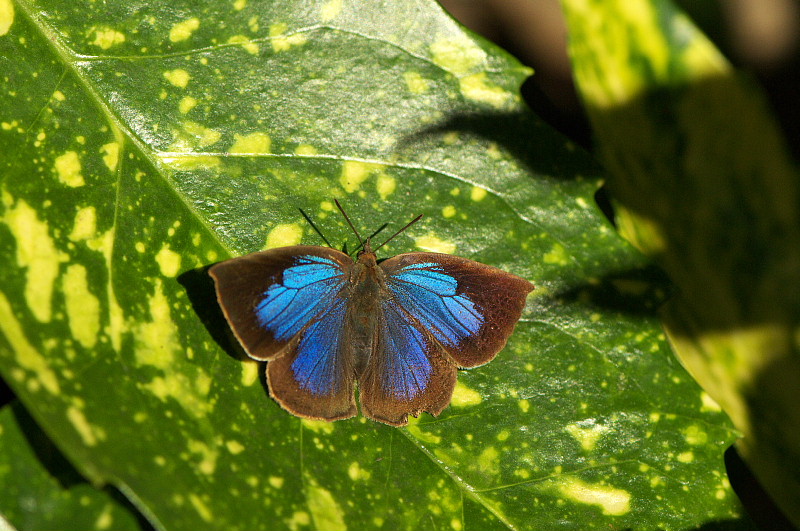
(469, 308)
(314, 376)
(407, 372)
(284, 305)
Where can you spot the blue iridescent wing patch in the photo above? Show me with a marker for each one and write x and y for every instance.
(307, 288)
(317, 366)
(406, 369)
(308, 296)
(314, 377)
(430, 294)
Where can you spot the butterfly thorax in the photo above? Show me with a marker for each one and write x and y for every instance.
(366, 278)
(367, 286)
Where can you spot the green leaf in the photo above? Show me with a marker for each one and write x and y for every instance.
(709, 190)
(147, 142)
(41, 490)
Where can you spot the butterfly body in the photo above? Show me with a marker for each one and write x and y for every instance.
(365, 291)
(399, 328)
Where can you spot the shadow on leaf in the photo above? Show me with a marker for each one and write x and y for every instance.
(200, 289)
(516, 132)
(639, 291)
(60, 469)
(703, 184)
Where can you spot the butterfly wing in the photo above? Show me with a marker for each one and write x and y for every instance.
(469, 308)
(286, 306)
(314, 376)
(444, 311)
(407, 372)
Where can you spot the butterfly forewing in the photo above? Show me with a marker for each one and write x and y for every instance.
(268, 297)
(469, 308)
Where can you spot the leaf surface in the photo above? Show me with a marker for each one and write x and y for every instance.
(149, 141)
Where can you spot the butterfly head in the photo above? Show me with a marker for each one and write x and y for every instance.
(367, 255)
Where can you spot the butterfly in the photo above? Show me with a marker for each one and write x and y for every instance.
(399, 329)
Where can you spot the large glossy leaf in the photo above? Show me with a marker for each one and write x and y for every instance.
(710, 191)
(145, 142)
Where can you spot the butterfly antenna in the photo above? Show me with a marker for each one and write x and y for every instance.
(360, 241)
(398, 232)
(314, 226)
(373, 235)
